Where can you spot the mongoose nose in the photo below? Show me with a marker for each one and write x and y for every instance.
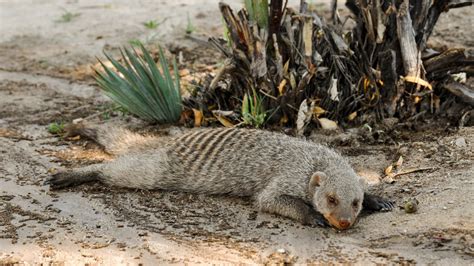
(344, 224)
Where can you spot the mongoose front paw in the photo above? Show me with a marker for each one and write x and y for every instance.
(322, 223)
(318, 219)
(376, 203)
(386, 205)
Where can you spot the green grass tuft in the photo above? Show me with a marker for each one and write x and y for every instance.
(190, 28)
(151, 24)
(56, 128)
(135, 42)
(67, 17)
(253, 113)
(140, 87)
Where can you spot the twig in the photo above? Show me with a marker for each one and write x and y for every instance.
(268, 95)
(413, 171)
(227, 66)
(200, 40)
(416, 116)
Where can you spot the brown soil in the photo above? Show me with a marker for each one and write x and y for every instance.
(45, 77)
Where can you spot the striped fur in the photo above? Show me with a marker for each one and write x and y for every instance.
(275, 169)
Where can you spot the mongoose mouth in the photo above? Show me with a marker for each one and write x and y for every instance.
(339, 224)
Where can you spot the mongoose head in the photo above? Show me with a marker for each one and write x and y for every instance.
(338, 198)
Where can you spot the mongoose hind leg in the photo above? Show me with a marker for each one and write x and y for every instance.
(72, 178)
(375, 203)
(293, 208)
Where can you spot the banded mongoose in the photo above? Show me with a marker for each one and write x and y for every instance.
(298, 179)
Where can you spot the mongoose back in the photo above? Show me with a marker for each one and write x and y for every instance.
(305, 181)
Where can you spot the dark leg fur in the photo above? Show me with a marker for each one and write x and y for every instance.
(375, 203)
(70, 179)
(295, 209)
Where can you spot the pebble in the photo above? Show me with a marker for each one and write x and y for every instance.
(281, 250)
(411, 205)
(461, 142)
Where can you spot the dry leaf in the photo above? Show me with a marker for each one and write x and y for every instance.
(333, 90)
(283, 120)
(285, 67)
(327, 124)
(223, 113)
(281, 87)
(304, 116)
(224, 121)
(308, 36)
(317, 111)
(417, 80)
(78, 137)
(399, 162)
(197, 117)
(388, 170)
(292, 81)
(7, 133)
(352, 116)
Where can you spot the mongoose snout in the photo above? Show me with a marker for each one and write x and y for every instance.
(302, 180)
(339, 223)
(344, 224)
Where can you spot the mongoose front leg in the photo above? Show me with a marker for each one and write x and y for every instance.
(293, 208)
(376, 203)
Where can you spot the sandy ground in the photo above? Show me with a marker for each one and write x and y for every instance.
(45, 77)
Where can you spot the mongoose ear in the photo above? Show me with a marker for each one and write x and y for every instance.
(315, 180)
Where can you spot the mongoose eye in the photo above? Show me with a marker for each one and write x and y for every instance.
(355, 204)
(332, 200)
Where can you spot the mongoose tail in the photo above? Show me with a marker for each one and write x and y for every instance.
(114, 140)
(72, 178)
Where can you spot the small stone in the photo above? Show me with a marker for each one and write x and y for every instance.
(445, 208)
(77, 120)
(411, 205)
(461, 142)
(389, 180)
(281, 250)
